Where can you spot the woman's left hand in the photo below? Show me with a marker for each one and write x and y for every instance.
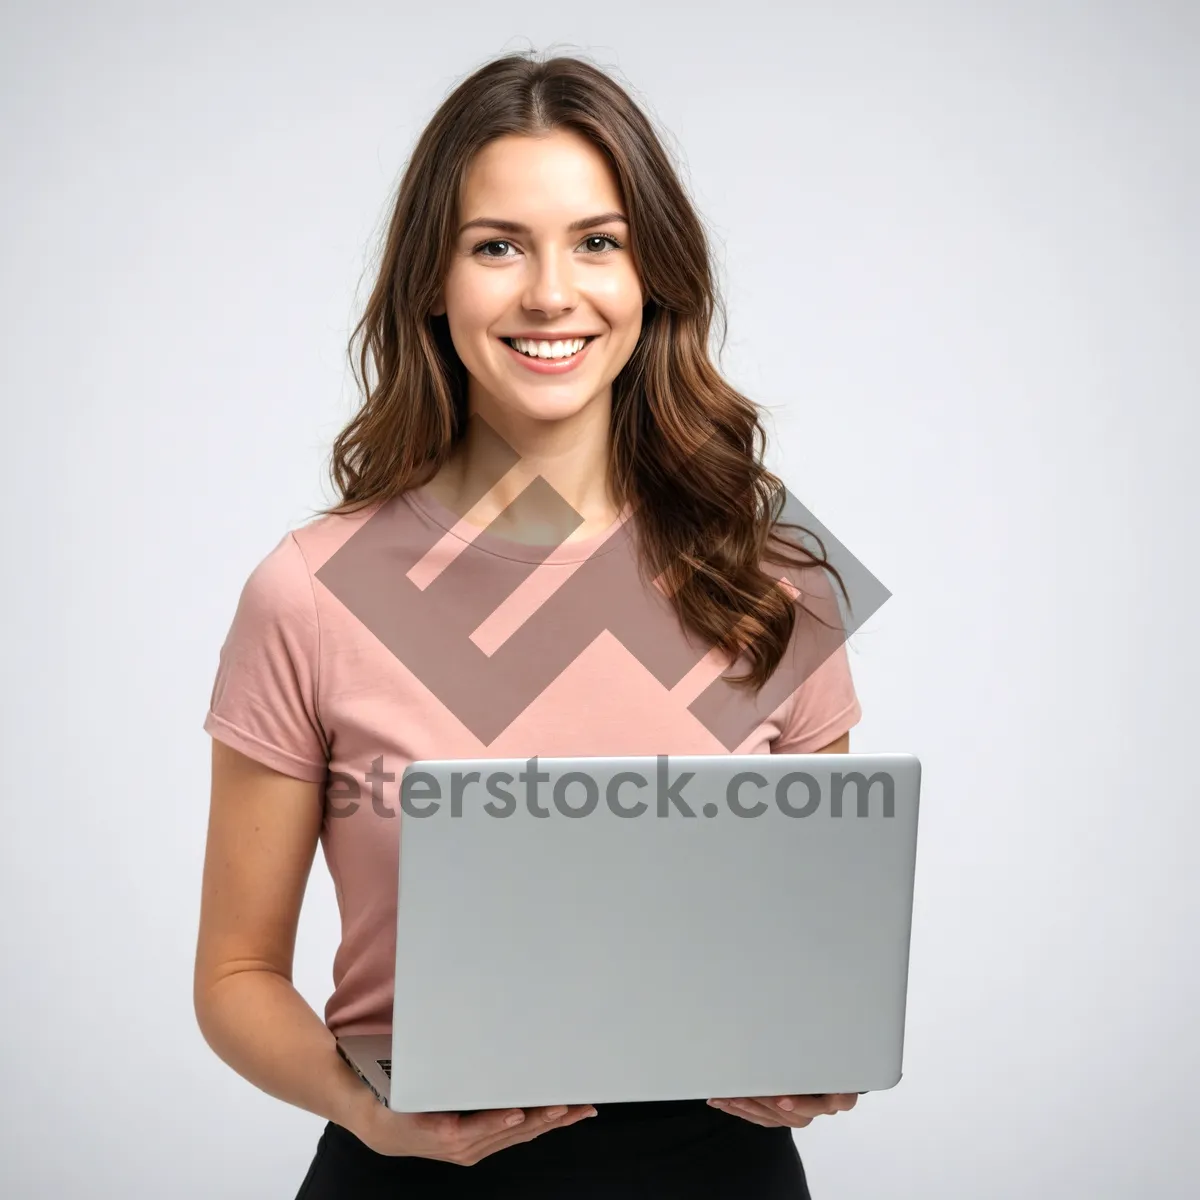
(795, 1111)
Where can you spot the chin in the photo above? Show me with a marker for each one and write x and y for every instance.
(549, 407)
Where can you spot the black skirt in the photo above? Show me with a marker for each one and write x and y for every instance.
(676, 1150)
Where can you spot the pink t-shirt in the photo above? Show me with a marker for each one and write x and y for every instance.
(344, 663)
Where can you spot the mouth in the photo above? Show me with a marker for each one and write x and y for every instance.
(548, 364)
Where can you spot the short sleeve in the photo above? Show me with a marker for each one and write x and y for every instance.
(825, 705)
(264, 698)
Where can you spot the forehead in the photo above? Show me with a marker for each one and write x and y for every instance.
(543, 179)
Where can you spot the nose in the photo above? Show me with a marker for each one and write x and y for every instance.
(551, 287)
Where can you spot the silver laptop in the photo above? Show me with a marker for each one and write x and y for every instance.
(598, 930)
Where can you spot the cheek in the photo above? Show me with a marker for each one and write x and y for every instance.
(475, 301)
(621, 300)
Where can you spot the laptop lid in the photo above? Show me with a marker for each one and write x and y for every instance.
(598, 930)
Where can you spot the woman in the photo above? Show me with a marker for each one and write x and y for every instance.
(542, 310)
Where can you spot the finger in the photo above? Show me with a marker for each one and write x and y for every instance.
(784, 1108)
(750, 1110)
(794, 1111)
(535, 1124)
(477, 1127)
(809, 1106)
(552, 1112)
(774, 1107)
(450, 1136)
(463, 1132)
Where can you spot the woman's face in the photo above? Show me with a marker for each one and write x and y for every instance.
(541, 253)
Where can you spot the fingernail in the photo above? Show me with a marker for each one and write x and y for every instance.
(515, 1119)
(786, 1104)
(591, 1112)
(552, 1113)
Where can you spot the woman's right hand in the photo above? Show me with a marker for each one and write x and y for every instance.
(454, 1138)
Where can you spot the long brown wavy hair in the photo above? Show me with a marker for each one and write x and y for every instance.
(685, 447)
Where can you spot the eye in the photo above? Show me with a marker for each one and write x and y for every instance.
(603, 237)
(484, 245)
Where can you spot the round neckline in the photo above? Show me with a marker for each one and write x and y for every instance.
(499, 546)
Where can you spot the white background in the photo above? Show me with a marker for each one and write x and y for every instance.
(959, 247)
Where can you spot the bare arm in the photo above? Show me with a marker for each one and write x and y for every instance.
(262, 837)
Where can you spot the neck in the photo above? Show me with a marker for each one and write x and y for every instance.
(481, 480)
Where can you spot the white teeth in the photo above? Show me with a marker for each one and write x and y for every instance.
(548, 349)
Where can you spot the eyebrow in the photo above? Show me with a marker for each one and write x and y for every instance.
(515, 227)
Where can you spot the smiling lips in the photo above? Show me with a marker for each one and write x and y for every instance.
(551, 357)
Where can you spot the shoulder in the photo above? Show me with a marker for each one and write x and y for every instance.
(279, 586)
